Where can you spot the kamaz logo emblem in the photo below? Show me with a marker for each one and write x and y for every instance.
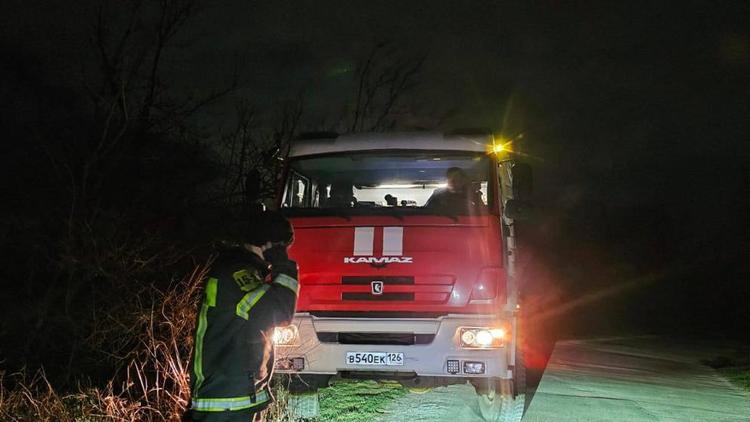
(377, 287)
(364, 247)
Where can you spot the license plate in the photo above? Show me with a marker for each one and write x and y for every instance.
(375, 358)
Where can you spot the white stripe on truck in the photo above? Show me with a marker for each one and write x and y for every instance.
(364, 239)
(393, 241)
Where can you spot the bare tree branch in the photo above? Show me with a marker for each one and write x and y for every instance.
(382, 80)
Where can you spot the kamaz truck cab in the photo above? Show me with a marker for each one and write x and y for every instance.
(404, 276)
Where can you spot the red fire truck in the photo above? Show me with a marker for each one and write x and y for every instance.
(395, 284)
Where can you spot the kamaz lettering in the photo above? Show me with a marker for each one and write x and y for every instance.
(378, 260)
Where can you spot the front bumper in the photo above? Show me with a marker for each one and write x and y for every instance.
(422, 360)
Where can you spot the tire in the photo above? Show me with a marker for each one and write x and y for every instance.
(519, 373)
(503, 400)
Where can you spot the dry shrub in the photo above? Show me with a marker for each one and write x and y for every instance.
(278, 411)
(153, 384)
(33, 398)
(156, 377)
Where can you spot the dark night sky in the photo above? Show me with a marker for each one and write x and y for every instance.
(613, 79)
(638, 108)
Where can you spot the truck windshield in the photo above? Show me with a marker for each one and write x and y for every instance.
(419, 182)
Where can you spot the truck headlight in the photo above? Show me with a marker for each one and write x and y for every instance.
(482, 337)
(285, 336)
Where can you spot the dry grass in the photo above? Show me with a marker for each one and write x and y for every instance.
(153, 384)
(33, 398)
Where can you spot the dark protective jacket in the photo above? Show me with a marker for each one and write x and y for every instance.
(233, 355)
(454, 202)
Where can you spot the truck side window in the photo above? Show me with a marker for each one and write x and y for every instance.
(298, 192)
(483, 191)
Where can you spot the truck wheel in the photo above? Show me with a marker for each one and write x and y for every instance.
(498, 404)
(519, 375)
(503, 400)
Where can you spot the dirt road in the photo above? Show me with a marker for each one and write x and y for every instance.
(636, 379)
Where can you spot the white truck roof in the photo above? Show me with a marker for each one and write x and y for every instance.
(390, 141)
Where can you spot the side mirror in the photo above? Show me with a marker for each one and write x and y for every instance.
(521, 178)
(517, 209)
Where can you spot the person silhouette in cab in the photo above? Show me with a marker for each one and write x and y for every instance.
(341, 196)
(458, 195)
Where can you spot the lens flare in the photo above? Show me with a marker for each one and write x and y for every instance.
(498, 333)
(484, 338)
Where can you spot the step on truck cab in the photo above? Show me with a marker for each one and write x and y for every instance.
(401, 277)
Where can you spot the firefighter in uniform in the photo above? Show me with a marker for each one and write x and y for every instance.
(250, 290)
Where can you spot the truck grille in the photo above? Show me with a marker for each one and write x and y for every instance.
(376, 314)
(391, 289)
(369, 279)
(377, 298)
(404, 339)
(384, 297)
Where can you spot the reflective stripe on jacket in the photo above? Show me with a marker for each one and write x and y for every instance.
(228, 404)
